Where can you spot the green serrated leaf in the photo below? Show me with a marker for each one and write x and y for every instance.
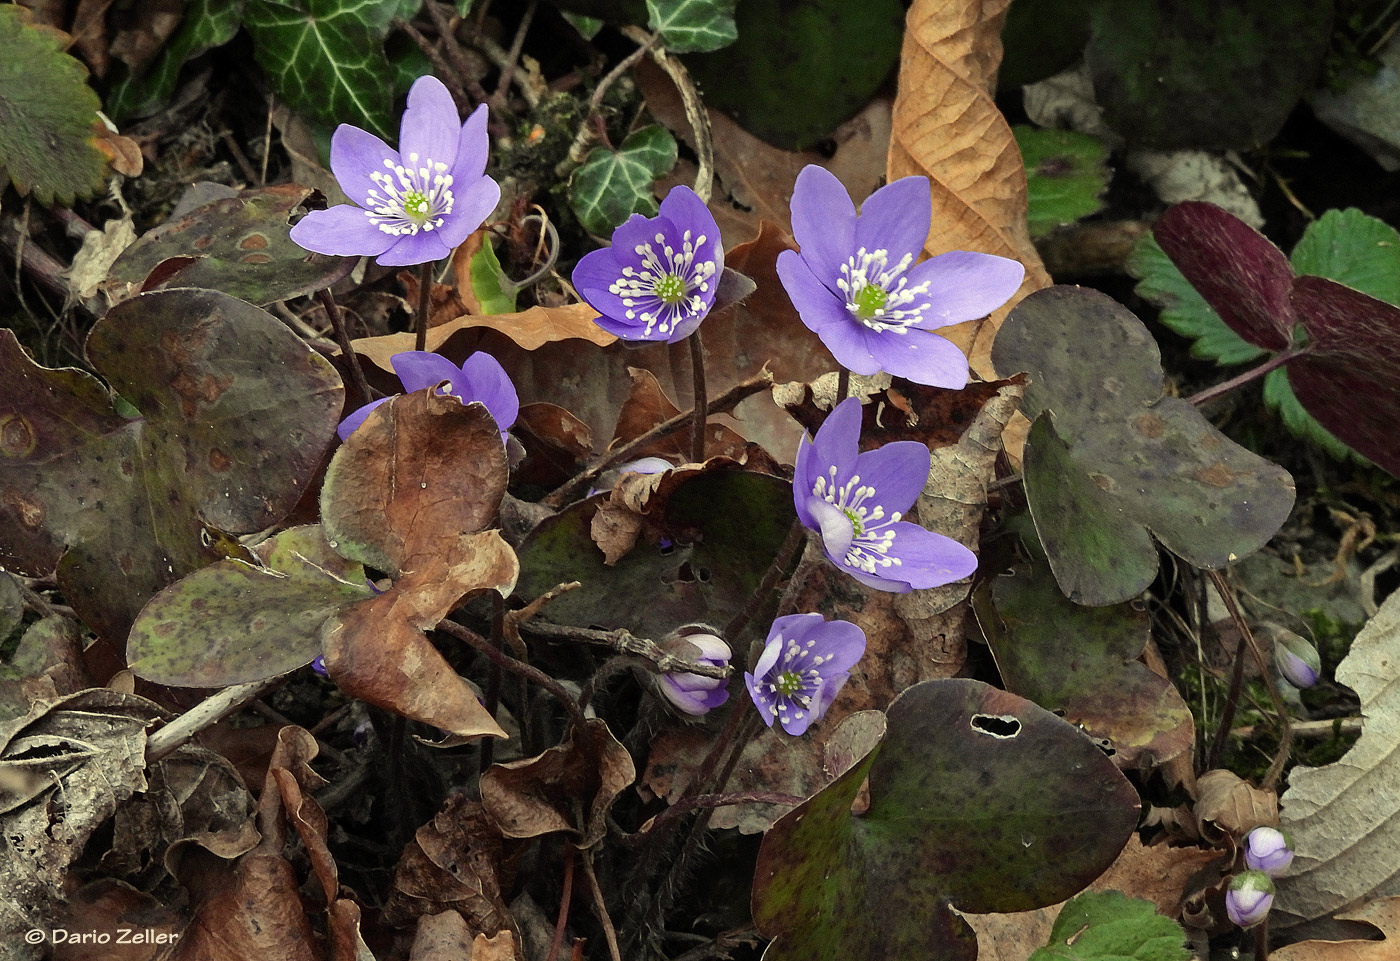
(1065, 176)
(1184, 310)
(1352, 248)
(46, 114)
(207, 24)
(326, 57)
(493, 289)
(1110, 926)
(693, 26)
(611, 185)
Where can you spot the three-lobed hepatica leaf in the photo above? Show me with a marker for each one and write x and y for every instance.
(979, 800)
(1081, 663)
(234, 621)
(46, 113)
(238, 245)
(1109, 458)
(611, 185)
(410, 493)
(234, 415)
(1350, 341)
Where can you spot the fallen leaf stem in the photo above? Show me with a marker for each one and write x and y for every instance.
(1253, 374)
(566, 493)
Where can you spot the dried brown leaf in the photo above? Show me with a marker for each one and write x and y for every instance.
(542, 794)
(947, 127)
(1226, 804)
(109, 905)
(1383, 913)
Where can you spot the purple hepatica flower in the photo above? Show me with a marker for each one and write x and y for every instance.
(480, 379)
(658, 279)
(1267, 849)
(856, 285)
(855, 501)
(417, 203)
(1249, 898)
(804, 664)
(696, 694)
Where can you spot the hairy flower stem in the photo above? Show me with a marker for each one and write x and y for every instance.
(700, 404)
(425, 289)
(843, 386)
(1261, 940)
(1253, 374)
(347, 353)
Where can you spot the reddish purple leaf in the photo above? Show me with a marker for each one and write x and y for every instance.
(1238, 270)
(1350, 378)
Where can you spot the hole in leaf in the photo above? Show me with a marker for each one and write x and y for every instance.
(686, 572)
(1002, 727)
(702, 574)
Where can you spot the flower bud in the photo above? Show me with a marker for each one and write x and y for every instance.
(1268, 850)
(695, 694)
(1249, 898)
(1297, 660)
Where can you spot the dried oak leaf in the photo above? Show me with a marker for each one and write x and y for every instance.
(1227, 805)
(1383, 913)
(947, 127)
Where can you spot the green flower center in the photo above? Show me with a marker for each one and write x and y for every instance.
(415, 205)
(857, 527)
(869, 301)
(670, 288)
(788, 683)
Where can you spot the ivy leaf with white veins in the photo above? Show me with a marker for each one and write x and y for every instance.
(614, 184)
(326, 57)
(693, 26)
(46, 114)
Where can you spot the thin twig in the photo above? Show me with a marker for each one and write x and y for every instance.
(519, 668)
(1310, 730)
(624, 642)
(512, 58)
(455, 83)
(843, 386)
(347, 352)
(267, 145)
(425, 287)
(796, 537)
(277, 717)
(564, 494)
(694, 112)
(578, 150)
(448, 38)
(205, 714)
(695, 802)
(600, 907)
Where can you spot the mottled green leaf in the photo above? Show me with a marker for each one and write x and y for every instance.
(1250, 60)
(207, 24)
(1082, 663)
(11, 606)
(326, 57)
(239, 245)
(46, 114)
(979, 800)
(234, 622)
(235, 414)
(800, 67)
(693, 26)
(1352, 248)
(724, 528)
(1066, 176)
(1110, 926)
(611, 185)
(1141, 461)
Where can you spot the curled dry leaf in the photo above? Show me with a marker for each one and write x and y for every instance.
(542, 794)
(947, 127)
(1225, 804)
(456, 864)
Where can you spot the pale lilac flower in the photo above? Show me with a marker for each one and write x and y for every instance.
(658, 279)
(855, 501)
(1297, 660)
(481, 379)
(1267, 849)
(415, 204)
(643, 465)
(805, 663)
(696, 694)
(1249, 898)
(857, 286)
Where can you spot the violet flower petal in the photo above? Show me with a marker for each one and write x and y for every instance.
(421, 369)
(473, 145)
(823, 222)
(349, 424)
(420, 248)
(429, 130)
(355, 154)
(919, 355)
(491, 385)
(343, 231)
(896, 217)
(964, 285)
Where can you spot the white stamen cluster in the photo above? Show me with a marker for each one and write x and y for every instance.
(896, 307)
(667, 288)
(793, 683)
(410, 197)
(872, 540)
